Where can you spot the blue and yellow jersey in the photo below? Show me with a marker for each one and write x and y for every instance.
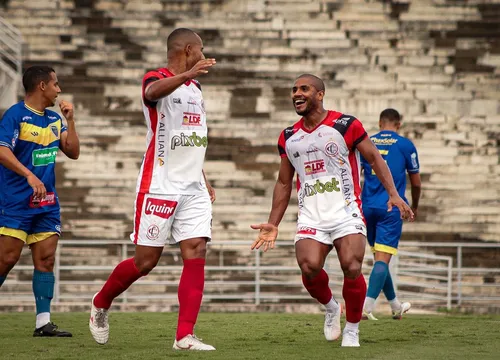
(401, 156)
(34, 139)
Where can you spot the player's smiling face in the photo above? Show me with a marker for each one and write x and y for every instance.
(51, 89)
(305, 97)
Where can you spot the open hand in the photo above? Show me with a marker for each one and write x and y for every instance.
(267, 236)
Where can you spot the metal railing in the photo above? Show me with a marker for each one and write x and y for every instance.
(261, 278)
(10, 63)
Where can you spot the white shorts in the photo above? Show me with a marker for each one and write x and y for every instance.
(162, 219)
(351, 225)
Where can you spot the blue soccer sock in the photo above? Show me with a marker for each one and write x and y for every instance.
(2, 279)
(377, 281)
(43, 289)
(388, 288)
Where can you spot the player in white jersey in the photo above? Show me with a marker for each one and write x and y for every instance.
(323, 148)
(173, 202)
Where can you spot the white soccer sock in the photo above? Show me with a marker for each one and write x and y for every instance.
(351, 326)
(42, 319)
(332, 306)
(369, 304)
(395, 304)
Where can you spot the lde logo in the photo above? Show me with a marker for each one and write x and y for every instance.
(314, 167)
(191, 119)
(161, 208)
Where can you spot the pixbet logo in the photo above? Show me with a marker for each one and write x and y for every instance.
(161, 208)
(320, 188)
(192, 140)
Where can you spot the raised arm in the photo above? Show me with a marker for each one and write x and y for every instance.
(158, 89)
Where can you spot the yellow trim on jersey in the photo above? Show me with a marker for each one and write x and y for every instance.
(385, 249)
(41, 113)
(39, 135)
(18, 234)
(34, 238)
(383, 152)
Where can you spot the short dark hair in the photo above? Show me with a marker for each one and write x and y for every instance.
(316, 81)
(34, 74)
(390, 115)
(179, 35)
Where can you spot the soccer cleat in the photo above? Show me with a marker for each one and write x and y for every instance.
(368, 316)
(98, 324)
(397, 315)
(350, 338)
(50, 330)
(191, 342)
(332, 328)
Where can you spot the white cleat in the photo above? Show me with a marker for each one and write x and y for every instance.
(332, 328)
(191, 342)
(98, 324)
(350, 338)
(368, 316)
(397, 315)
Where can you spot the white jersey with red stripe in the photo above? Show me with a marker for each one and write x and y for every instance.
(176, 140)
(328, 169)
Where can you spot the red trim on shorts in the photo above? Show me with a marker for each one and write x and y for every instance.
(355, 180)
(139, 202)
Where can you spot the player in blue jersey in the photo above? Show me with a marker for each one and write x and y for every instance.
(30, 137)
(384, 228)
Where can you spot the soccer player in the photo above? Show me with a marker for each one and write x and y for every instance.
(30, 137)
(174, 199)
(384, 228)
(323, 148)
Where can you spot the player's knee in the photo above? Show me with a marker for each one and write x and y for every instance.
(145, 266)
(46, 263)
(9, 259)
(353, 269)
(309, 269)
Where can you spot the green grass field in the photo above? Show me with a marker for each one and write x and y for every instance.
(148, 336)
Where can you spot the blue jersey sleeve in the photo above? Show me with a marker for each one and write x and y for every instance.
(411, 158)
(9, 130)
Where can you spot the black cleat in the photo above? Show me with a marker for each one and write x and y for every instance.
(50, 329)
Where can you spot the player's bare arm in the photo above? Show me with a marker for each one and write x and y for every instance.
(164, 87)
(281, 197)
(9, 160)
(377, 163)
(70, 144)
(416, 187)
(210, 189)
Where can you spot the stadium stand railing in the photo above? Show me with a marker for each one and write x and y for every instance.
(236, 275)
(10, 63)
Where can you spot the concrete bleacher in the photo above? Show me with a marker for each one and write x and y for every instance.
(435, 61)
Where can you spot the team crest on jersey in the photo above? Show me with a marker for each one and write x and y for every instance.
(331, 149)
(14, 137)
(55, 130)
(314, 167)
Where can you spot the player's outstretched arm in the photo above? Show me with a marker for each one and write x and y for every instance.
(377, 163)
(281, 197)
(70, 144)
(9, 160)
(164, 87)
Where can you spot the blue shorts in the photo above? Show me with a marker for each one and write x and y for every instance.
(383, 229)
(31, 228)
